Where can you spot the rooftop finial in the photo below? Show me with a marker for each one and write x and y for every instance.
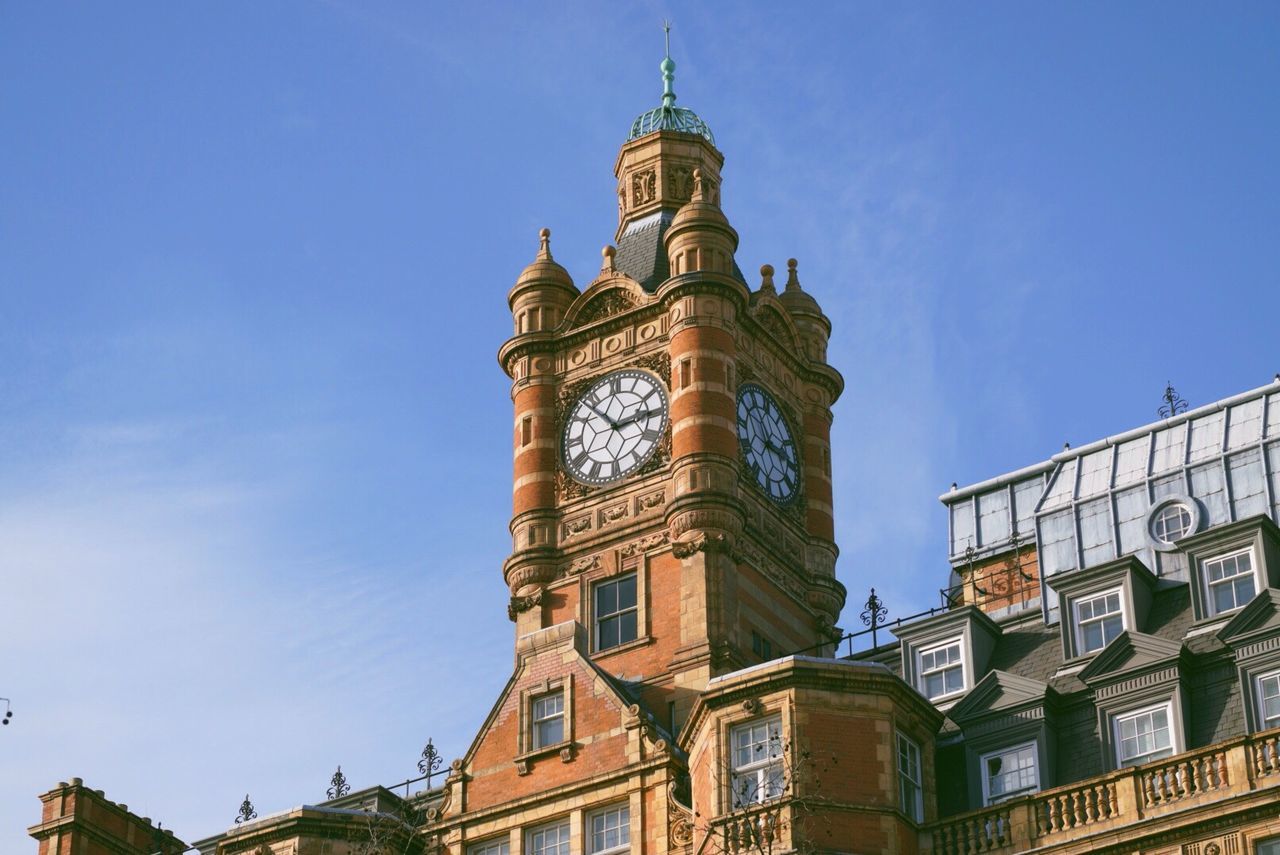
(793, 280)
(668, 70)
(766, 279)
(544, 251)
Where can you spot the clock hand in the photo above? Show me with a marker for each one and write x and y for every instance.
(637, 417)
(612, 423)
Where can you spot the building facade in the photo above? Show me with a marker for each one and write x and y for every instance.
(1105, 674)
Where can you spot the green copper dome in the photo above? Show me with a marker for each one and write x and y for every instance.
(669, 117)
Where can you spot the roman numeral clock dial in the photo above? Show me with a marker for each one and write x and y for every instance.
(766, 443)
(614, 427)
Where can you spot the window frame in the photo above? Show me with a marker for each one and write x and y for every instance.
(759, 769)
(596, 586)
(492, 846)
(916, 811)
(1211, 609)
(1259, 699)
(1078, 625)
(535, 742)
(625, 827)
(1123, 762)
(962, 664)
(561, 824)
(985, 779)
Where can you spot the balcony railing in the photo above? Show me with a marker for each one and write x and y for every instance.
(1102, 804)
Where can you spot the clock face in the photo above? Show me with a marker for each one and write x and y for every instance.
(614, 427)
(766, 442)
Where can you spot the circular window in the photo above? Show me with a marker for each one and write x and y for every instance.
(1172, 520)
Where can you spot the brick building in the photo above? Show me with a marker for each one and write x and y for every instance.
(1105, 674)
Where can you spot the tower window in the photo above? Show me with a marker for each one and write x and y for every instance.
(526, 431)
(548, 719)
(686, 372)
(910, 793)
(1230, 581)
(616, 612)
(761, 646)
(757, 762)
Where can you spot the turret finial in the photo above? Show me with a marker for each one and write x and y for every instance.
(544, 251)
(608, 253)
(668, 67)
(793, 281)
(766, 279)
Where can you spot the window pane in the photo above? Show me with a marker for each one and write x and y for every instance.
(627, 627)
(627, 593)
(610, 829)
(606, 599)
(608, 634)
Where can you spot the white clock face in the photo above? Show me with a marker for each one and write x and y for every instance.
(767, 445)
(614, 427)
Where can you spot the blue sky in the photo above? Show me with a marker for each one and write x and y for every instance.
(253, 268)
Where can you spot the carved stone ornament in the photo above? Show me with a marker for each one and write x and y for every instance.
(576, 527)
(680, 183)
(613, 513)
(522, 767)
(612, 302)
(644, 544)
(681, 830)
(644, 187)
(581, 565)
(752, 706)
(1228, 844)
(566, 754)
(702, 542)
(523, 603)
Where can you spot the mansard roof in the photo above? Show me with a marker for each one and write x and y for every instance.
(1088, 505)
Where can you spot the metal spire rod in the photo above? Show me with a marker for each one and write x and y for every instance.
(668, 70)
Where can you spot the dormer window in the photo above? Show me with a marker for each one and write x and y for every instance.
(1144, 735)
(1230, 581)
(1269, 700)
(1009, 773)
(1099, 619)
(942, 669)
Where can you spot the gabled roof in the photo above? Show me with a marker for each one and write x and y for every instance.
(1129, 652)
(1000, 691)
(1259, 617)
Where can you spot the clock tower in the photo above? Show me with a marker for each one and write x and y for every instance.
(672, 466)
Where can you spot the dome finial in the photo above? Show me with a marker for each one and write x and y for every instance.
(668, 67)
(544, 236)
(793, 281)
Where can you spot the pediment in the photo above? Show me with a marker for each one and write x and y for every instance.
(611, 295)
(1261, 615)
(773, 316)
(1128, 652)
(999, 691)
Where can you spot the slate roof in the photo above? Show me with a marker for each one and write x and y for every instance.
(642, 254)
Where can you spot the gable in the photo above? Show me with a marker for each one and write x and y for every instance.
(602, 728)
(1128, 653)
(1260, 617)
(998, 692)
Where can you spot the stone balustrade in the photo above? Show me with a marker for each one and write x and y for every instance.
(1109, 802)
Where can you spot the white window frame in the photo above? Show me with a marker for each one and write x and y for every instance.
(495, 846)
(624, 827)
(1158, 516)
(596, 616)
(910, 789)
(758, 773)
(561, 827)
(1263, 724)
(1121, 760)
(1078, 622)
(987, 798)
(1210, 607)
(962, 663)
(535, 721)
